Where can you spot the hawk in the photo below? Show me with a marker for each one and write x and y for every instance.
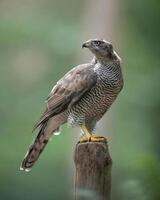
(80, 98)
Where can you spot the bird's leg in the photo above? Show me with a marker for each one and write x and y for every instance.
(88, 137)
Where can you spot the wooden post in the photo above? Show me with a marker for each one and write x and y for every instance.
(93, 171)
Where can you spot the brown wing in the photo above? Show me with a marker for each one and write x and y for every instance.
(69, 90)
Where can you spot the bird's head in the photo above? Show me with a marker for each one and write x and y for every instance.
(101, 49)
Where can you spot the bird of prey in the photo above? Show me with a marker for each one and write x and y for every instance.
(80, 98)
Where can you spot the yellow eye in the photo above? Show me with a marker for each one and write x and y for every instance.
(97, 43)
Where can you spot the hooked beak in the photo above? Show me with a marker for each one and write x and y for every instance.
(86, 45)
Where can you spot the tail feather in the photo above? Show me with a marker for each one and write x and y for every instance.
(35, 149)
(46, 128)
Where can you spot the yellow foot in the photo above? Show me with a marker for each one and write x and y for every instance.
(92, 138)
(97, 138)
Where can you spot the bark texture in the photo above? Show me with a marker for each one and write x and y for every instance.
(93, 171)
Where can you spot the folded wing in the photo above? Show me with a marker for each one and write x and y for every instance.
(69, 90)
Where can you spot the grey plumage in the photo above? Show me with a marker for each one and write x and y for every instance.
(81, 97)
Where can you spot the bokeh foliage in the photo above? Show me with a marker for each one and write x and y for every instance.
(138, 111)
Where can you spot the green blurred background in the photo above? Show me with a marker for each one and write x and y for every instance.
(40, 40)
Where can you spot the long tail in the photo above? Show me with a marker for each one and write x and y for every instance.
(45, 132)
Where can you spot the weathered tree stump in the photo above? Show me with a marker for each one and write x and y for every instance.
(93, 171)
